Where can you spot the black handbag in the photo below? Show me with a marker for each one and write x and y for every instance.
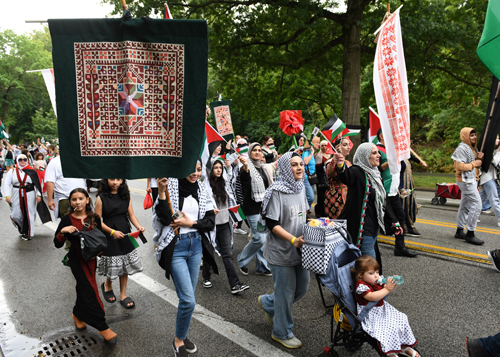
(313, 178)
(92, 242)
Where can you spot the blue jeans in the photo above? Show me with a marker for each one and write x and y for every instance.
(491, 344)
(368, 246)
(309, 192)
(290, 285)
(185, 268)
(489, 189)
(254, 248)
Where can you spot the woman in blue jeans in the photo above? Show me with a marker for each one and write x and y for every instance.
(180, 240)
(366, 203)
(285, 206)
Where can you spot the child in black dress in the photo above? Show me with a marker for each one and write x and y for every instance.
(88, 307)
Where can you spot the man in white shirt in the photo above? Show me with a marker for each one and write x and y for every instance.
(59, 187)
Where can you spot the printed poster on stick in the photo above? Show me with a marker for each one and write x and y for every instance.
(221, 110)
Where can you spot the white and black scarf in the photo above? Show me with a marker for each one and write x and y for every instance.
(362, 159)
(464, 154)
(254, 166)
(286, 183)
(165, 234)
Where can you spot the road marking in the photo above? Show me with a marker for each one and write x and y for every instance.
(217, 323)
(453, 225)
(436, 249)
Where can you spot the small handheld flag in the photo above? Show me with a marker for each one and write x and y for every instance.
(237, 213)
(137, 239)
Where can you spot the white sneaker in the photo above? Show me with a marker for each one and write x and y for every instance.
(240, 231)
(498, 224)
(486, 211)
(293, 342)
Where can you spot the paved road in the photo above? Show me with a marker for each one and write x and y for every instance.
(446, 297)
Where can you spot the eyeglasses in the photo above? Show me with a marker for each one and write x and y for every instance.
(22, 159)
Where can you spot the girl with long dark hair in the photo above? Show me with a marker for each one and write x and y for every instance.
(119, 259)
(224, 199)
(88, 306)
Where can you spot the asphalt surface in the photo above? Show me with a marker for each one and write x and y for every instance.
(446, 297)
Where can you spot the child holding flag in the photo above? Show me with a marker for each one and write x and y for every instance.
(119, 259)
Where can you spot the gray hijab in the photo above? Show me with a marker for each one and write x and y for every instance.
(362, 159)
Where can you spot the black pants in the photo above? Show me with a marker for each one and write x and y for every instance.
(226, 251)
(397, 207)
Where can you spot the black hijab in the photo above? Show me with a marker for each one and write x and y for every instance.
(187, 188)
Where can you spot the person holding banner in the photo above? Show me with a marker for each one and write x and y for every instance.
(224, 224)
(307, 153)
(467, 161)
(391, 186)
(284, 208)
(183, 216)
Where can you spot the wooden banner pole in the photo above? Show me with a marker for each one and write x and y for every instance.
(124, 4)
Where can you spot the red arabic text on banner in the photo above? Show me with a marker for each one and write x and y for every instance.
(391, 92)
(291, 122)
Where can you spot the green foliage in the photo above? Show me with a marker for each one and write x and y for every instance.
(21, 93)
(44, 124)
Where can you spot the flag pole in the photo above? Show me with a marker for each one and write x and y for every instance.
(380, 28)
(489, 117)
(124, 4)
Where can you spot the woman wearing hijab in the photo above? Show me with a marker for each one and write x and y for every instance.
(181, 237)
(255, 178)
(26, 192)
(284, 207)
(467, 161)
(336, 195)
(365, 217)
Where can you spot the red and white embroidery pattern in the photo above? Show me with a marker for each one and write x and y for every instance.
(223, 120)
(130, 98)
(393, 93)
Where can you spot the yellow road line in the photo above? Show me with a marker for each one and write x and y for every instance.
(453, 225)
(435, 249)
(137, 190)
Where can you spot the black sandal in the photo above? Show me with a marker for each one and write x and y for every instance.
(108, 295)
(125, 303)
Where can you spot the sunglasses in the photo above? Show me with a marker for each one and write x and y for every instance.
(22, 160)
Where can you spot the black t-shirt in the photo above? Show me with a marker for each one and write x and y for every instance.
(9, 155)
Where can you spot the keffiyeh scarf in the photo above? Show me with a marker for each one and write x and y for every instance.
(165, 234)
(258, 187)
(286, 183)
(464, 154)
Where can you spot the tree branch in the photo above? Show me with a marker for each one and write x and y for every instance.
(458, 78)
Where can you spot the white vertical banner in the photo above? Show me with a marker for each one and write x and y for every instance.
(48, 76)
(391, 92)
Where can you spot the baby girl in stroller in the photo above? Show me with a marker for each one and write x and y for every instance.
(384, 323)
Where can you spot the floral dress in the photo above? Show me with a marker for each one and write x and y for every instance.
(335, 196)
(384, 323)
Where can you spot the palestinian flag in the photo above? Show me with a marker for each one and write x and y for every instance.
(211, 135)
(333, 128)
(137, 239)
(242, 150)
(489, 45)
(3, 133)
(372, 126)
(351, 130)
(166, 13)
(237, 213)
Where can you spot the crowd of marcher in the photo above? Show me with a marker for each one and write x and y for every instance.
(192, 222)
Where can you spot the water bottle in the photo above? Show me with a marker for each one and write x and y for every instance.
(399, 280)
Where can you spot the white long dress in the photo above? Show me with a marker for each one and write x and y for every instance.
(23, 219)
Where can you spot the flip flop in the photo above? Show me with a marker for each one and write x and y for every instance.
(125, 303)
(108, 295)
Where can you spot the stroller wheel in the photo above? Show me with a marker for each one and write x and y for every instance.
(442, 200)
(330, 353)
(435, 201)
(352, 343)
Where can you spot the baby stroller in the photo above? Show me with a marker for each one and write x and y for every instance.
(338, 279)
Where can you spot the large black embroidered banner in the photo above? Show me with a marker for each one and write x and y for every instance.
(131, 96)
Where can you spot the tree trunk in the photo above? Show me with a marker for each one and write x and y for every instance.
(351, 87)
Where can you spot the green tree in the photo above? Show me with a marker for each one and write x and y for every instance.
(21, 93)
(44, 124)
